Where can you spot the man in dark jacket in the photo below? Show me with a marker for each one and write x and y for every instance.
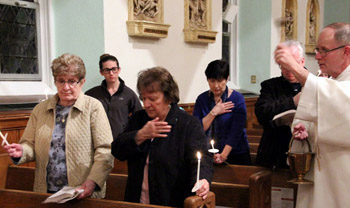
(118, 100)
(277, 95)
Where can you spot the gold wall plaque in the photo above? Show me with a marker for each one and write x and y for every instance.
(197, 27)
(146, 19)
(289, 29)
(312, 26)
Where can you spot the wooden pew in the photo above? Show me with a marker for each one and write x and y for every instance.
(10, 198)
(251, 185)
(234, 186)
(238, 174)
(22, 178)
(120, 167)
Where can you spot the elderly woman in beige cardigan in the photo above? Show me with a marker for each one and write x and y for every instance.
(68, 136)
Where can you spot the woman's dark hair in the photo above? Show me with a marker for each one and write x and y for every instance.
(107, 57)
(158, 79)
(218, 70)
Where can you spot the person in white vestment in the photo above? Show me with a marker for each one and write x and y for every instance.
(324, 105)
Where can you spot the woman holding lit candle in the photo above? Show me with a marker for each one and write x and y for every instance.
(223, 115)
(160, 144)
(68, 136)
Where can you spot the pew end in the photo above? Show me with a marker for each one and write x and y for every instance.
(260, 189)
(198, 202)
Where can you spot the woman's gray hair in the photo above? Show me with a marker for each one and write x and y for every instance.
(68, 64)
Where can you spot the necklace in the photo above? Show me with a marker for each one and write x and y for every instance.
(61, 119)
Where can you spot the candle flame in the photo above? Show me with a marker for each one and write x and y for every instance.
(199, 155)
(212, 142)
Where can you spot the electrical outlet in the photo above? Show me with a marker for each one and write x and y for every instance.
(253, 79)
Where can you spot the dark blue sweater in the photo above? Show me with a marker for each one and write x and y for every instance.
(231, 126)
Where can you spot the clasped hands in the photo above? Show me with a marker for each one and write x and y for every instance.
(221, 108)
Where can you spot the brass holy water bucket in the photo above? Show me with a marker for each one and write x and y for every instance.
(300, 163)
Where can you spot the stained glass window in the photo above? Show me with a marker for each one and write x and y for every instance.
(19, 40)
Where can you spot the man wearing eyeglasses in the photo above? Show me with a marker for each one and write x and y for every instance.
(277, 95)
(325, 104)
(118, 100)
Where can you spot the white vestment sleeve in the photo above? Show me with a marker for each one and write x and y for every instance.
(333, 111)
(307, 107)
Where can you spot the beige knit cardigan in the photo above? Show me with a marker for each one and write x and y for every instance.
(88, 143)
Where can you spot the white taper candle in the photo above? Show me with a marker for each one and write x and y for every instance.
(199, 165)
(212, 143)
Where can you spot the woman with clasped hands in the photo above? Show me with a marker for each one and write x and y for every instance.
(160, 144)
(68, 136)
(223, 114)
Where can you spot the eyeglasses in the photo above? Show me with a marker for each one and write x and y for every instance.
(107, 70)
(71, 83)
(324, 53)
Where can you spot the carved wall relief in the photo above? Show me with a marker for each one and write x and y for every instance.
(312, 25)
(146, 19)
(289, 27)
(198, 22)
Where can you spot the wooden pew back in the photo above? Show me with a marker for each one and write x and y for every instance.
(120, 167)
(115, 186)
(10, 198)
(238, 174)
(22, 178)
(241, 186)
(231, 184)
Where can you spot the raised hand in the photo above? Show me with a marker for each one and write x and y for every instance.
(152, 129)
(221, 108)
(285, 58)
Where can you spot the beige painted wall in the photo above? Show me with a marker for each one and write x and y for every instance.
(186, 62)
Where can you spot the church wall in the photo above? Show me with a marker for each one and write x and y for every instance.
(254, 42)
(259, 36)
(186, 62)
(77, 28)
(337, 11)
(89, 28)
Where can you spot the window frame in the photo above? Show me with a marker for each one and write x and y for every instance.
(26, 77)
(234, 73)
(33, 91)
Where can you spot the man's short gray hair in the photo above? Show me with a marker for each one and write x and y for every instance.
(342, 32)
(290, 43)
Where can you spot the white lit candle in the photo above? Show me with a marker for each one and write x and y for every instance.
(46, 92)
(4, 139)
(199, 164)
(212, 143)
